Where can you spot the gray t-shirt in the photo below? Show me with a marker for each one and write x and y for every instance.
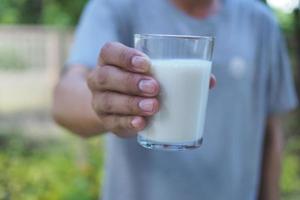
(254, 81)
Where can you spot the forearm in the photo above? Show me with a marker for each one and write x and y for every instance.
(72, 104)
(271, 164)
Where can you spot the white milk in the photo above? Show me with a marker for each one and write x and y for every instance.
(184, 89)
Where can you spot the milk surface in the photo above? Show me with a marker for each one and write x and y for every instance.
(184, 90)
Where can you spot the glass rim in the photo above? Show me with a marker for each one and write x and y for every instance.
(161, 36)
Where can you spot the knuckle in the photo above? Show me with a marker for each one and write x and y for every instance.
(95, 105)
(90, 80)
(122, 127)
(125, 56)
(106, 122)
(105, 101)
(106, 48)
(102, 76)
(129, 78)
(124, 124)
(128, 123)
(131, 81)
(132, 104)
(118, 127)
(96, 79)
(115, 124)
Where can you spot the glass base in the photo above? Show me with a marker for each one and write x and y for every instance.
(149, 144)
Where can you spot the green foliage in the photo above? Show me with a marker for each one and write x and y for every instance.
(62, 12)
(290, 180)
(52, 12)
(286, 21)
(20, 11)
(34, 169)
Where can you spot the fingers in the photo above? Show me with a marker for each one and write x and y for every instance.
(114, 103)
(130, 59)
(124, 126)
(114, 79)
(212, 81)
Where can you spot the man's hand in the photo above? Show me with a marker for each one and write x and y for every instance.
(123, 91)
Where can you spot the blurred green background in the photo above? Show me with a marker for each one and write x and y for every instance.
(39, 160)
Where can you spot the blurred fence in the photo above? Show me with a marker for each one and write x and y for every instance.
(34, 47)
(30, 61)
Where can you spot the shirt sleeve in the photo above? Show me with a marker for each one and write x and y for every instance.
(97, 25)
(281, 91)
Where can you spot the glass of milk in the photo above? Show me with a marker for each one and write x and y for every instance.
(182, 65)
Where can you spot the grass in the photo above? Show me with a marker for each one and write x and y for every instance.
(290, 179)
(67, 168)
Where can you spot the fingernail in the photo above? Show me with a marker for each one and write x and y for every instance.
(146, 105)
(136, 122)
(147, 86)
(140, 63)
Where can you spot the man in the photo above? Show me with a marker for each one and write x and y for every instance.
(111, 92)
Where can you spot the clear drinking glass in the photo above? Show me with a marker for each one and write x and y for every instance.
(182, 65)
